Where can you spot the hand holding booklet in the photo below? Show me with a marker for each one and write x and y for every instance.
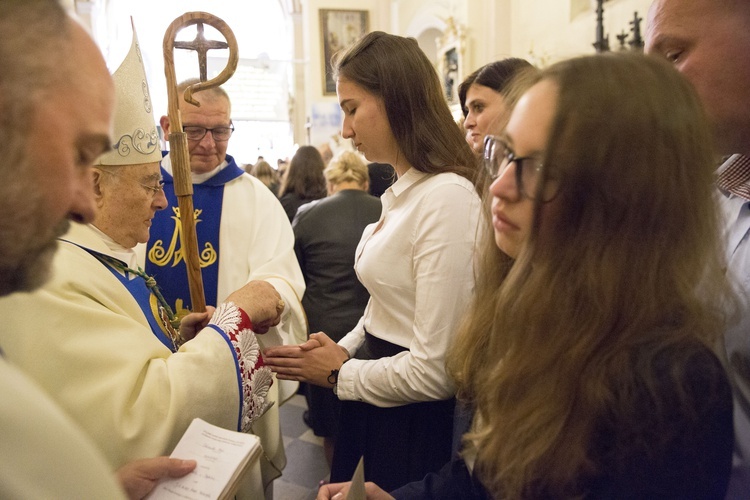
(223, 457)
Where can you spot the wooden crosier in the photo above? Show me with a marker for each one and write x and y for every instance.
(178, 145)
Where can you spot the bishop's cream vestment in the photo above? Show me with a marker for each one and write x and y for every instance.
(88, 343)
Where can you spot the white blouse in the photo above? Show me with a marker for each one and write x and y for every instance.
(417, 262)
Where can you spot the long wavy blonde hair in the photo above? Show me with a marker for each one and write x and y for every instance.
(631, 259)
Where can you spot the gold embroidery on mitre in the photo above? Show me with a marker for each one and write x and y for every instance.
(134, 127)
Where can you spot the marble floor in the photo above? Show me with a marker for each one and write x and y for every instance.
(306, 464)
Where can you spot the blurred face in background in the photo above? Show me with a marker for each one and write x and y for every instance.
(708, 42)
(486, 108)
(53, 181)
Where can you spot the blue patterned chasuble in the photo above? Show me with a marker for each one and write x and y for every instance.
(164, 257)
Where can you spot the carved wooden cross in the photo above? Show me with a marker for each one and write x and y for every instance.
(201, 46)
(178, 146)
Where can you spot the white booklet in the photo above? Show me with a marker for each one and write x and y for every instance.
(357, 488)
(222, 455)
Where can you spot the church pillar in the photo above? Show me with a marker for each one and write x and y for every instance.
(299, 105)
(490, 30)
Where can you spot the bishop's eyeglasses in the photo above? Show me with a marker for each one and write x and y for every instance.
(152, 190)
(498, 155)
(220, 134)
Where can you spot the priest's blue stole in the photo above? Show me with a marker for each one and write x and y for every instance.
(164, 255)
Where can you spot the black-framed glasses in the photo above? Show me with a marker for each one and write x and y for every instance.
(152, 190)
(220, 134)
(498, 155)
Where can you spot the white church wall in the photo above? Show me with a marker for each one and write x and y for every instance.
(547, 31)
(542, 31)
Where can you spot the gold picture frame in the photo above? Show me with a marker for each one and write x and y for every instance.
(338, 30)
(451, 48)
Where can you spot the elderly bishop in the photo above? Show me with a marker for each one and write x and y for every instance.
(103, 342)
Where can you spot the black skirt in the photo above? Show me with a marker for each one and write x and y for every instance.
(400, 444)
(324, 410)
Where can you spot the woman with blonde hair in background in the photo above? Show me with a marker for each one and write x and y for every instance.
(587, 351)
(348, 170)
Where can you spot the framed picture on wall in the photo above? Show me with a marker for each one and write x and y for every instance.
(450, 49)
(338, 30)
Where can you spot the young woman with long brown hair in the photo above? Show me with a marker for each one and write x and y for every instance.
(417, 262)
(587, 351)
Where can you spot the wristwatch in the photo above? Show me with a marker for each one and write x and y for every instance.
(333, 378)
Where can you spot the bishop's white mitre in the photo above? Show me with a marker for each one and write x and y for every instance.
(135, 137)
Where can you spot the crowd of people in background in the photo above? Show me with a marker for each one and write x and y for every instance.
(549, 300)
(304, 184)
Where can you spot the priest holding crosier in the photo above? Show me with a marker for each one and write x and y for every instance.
(243, 234)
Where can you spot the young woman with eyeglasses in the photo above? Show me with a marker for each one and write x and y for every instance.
(587, 352)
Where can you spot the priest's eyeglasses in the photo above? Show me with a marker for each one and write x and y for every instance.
(220, 134)
(152, 190)
(498, 155)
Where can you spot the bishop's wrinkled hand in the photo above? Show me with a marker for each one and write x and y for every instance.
(261, 302)
(195, 322)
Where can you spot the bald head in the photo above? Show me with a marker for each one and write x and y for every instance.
(708, 41)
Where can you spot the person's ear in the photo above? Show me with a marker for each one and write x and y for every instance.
(99, 186)
(164, 122)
